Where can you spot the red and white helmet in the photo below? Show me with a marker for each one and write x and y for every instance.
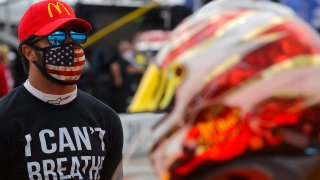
(238, 79)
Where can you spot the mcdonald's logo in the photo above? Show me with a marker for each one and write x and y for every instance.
(57, 7)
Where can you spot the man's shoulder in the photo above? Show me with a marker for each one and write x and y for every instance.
(11, 96)
(10, 101)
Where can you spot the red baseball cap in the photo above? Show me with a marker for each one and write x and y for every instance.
(43, 18)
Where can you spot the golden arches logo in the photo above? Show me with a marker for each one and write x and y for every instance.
(57, 7)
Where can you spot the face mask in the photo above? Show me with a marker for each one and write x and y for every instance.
(128, 55)
(62, 64)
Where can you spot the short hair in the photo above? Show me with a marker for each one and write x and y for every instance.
(29, 41)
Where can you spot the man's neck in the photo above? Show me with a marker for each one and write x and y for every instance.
(49, 98)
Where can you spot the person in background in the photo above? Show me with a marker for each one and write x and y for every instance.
(49, 129)
(6, 80)
(133, 68)
(117, 69)
(127, 52)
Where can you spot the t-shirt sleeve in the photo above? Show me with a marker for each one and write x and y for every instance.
(112, 166)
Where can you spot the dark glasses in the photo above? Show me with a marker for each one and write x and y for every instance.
(59, 37)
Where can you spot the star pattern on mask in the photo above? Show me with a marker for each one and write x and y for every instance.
(60, 57)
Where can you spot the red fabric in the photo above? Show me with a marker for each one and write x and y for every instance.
(5, 80)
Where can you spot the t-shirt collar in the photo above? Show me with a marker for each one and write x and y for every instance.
(50, 98)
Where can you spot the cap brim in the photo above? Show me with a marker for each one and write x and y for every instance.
(63, 22)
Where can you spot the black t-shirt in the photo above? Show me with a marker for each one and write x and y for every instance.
(80, 140)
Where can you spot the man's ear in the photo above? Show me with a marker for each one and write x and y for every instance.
(28, 52)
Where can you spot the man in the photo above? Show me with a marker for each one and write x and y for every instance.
(48, 128)
(133, 68)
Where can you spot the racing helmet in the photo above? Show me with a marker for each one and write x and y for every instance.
(239, 83)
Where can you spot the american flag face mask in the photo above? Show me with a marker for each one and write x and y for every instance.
(62, 64)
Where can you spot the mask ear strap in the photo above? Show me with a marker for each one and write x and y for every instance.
(37, 48)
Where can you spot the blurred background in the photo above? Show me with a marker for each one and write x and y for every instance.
(126, 35)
